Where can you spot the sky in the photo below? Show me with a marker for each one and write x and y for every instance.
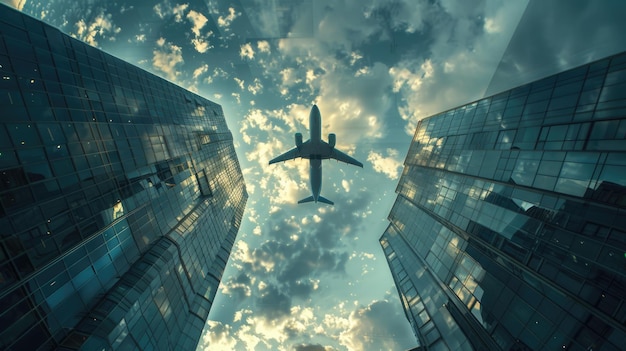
(313, 277)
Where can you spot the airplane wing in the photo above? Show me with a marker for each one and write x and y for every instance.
(289, 155)
(340, 156)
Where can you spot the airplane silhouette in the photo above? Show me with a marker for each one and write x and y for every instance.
(316, 150)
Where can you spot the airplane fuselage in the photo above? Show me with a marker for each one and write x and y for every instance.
(315, 163)
(315, 150)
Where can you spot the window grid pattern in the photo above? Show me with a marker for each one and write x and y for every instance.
(98, 190)
(530, 187)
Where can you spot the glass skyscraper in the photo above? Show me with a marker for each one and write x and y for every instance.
(509, 228)
(121, 197)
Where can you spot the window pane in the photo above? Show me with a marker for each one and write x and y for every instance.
(23, 134)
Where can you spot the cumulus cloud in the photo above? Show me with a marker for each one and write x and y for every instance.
(256, 87)
(166, 57)
(354, 107)
(200, 41)
(198, 20)
(240, 82)
(165, 9)
(263, 46)
(225, 21)
(257, 120)
(178, 11)
(388, 165)
(218, 337)
(246, 50)
(200, 71)
(247, 336)
(100, 27)
(201, 45)
(377, 326)
(295, 255)
(315, 347)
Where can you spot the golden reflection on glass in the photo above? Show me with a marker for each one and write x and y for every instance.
(476, 311)
(199, 111)
(454, 241)
(410, 190)
(118, 210)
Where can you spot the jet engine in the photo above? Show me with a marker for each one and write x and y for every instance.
(298, 140)
(332, 139)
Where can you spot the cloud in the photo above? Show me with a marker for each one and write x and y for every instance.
(200, 71)
(200, 42)
(408, 16)
(165, 9)
(377, 326)
(178, 11)
(388, 165)
(256, 87)
(295, 255)
(198, 20)
(312, 70)
(354, 107)
(245, 334)
(158, 9)
(245, 50)
(201, 45)
(257, 120)
(407, 76)
(263, 46)
(238, 286)
(124, 9)
(218, 337)
(240, 82)
(288, 76)
(345, 184)
(237, 97)
(278, 278)
(100, 27)
(342, 30)
(17, 4)
(283, 330)
(316, 347)
(459, 61)
(225, 22)
(166, 57)
(309, 261)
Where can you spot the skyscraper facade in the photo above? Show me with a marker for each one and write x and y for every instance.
(121, 197)
(509, 228)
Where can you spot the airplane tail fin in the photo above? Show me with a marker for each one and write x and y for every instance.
(308, 199)
(324, 200)
(319, 198)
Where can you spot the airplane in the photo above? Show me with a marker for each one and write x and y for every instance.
(316, 150)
